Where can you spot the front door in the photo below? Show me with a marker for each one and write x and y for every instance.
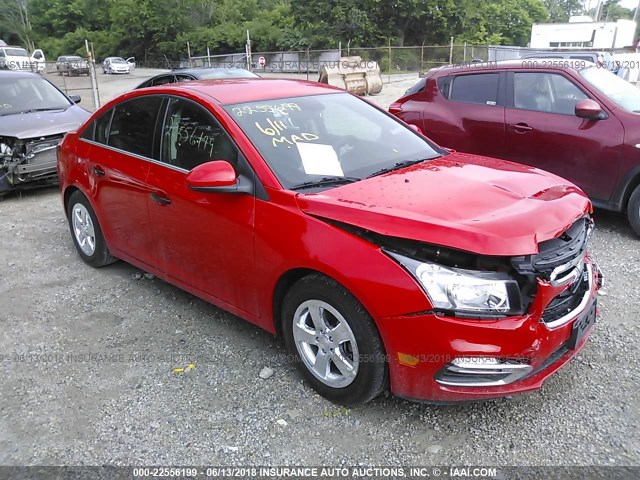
(542, 130)
(206, 239)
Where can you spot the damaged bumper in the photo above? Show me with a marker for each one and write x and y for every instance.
(27, 162)
(506, 357)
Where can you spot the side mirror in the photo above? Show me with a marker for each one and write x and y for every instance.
(217, 176)
(590, 109)
(75, 98)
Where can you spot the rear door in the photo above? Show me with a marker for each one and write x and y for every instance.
(469, 115)
(122, 145)
(543, 131)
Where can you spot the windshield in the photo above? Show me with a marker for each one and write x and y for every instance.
(117, 60)
(333, 136)
(19, 95)
(621, 92)
(16, 52)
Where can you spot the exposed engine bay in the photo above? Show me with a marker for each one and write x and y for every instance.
(27, 162)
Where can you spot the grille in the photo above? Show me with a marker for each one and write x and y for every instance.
(568, 300)
(556, 252)
(557, 260)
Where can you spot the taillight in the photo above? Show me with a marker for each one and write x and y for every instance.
(395, 108)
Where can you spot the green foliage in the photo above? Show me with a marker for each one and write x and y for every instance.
(155, 29)
(561, 10)
(613, 11)
(503, 22)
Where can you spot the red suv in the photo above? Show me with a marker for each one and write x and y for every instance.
(572, 118)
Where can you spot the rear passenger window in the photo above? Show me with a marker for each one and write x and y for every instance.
(102, 127)
(444, 85)
(163, 80)
(184, 78)
(99, 128)
(133, 125)
(481, 89)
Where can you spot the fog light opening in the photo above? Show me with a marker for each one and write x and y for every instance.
(482, 371)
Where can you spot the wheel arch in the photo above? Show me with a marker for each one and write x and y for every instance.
(70, 190)
(284, 283)
(288, 279)
(625, 189)
(631, 187)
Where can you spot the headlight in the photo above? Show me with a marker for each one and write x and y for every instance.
(464, 291)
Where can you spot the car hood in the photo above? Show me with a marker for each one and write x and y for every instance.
(468, 202)
(42, 124)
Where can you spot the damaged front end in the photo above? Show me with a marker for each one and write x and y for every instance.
(27, 162)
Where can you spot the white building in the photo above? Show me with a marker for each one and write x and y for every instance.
(582, 32)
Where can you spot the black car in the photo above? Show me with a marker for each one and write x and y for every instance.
(186, 74)
(34, 116)
(72, 65)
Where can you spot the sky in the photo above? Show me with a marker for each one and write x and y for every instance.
(624, 3)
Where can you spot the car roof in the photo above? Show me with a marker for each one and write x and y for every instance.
(229, 91)
(17, 74)
(522, 63)
(197, 71)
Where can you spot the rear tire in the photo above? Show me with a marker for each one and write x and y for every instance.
(633, 210)
(334, 341)
(86, 232)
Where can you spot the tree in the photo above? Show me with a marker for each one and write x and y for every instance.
(503, 22)
(425, 18)
(613, 11)
(15, 19)
(561, 10)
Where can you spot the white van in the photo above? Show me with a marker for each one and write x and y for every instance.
(17, 58)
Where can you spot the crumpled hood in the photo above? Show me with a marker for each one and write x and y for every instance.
(468, 202)
(42, 124)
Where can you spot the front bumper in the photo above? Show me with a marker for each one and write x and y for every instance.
(37, 166)
(423, 348)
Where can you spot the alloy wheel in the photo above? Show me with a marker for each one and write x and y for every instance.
(83, 229)
(325, 343)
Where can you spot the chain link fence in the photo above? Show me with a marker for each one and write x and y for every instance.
(390, 59)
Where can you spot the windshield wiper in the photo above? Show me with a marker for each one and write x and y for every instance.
(398, 166)
(31, 110)
(325, 181)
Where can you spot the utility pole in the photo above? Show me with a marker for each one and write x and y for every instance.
(248, 51)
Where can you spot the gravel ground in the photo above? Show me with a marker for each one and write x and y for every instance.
(110, 366)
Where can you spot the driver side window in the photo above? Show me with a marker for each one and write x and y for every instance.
(191, 137)
(545, 92)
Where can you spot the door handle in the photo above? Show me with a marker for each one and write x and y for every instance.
(162, 201)
(97, 171)
(521, 127)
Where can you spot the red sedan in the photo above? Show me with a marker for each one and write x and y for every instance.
(383, 260)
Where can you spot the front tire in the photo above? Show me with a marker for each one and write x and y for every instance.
(334, 341)
(633, 210)
(86, 232)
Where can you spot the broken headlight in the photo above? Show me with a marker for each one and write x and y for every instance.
(464, 292)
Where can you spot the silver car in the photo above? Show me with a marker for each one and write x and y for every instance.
(34, 116)
(115, 65)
